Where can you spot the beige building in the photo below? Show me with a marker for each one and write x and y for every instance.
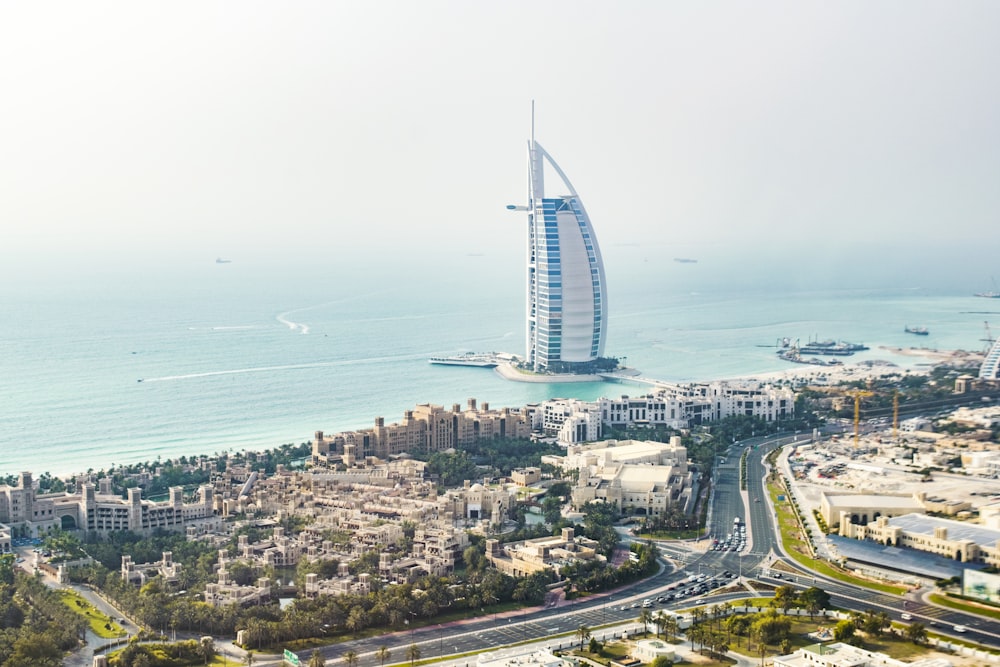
(860, 508)
(958, 540)
(641, 478)
(225, 591)
(97, 509)
(426, 428)
(520, 559)
(526, 476)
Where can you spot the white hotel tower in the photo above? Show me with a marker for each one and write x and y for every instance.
(567, 308)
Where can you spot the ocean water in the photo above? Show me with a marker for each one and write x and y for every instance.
(249, 356)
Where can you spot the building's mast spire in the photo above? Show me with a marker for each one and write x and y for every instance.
(532, 124)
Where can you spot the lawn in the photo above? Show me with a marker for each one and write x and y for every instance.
(793, 542)
(962, 605)
(100, 623)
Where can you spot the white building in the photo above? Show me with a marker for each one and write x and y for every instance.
(670, 406)
(567, 291)
(845, 655)
(522, 658)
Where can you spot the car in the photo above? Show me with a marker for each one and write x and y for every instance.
(776, 575)
(960, 628)
(906, 617)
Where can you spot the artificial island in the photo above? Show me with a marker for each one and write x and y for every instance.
(566, 312)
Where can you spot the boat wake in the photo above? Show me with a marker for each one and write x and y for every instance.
(294, 326)
(285, 367)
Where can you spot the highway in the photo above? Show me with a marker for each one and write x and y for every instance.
(757, 560)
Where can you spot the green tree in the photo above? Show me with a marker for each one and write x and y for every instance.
(645, 617)
(916, 633)
(844, 630)
(350, 659)
(583, 634)
(383, 653)
(784, 598)
(206, 647)
(317, 659)
(412, 654)
(814, 599)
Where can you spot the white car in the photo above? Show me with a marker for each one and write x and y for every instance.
(960, 628)
(906, 617)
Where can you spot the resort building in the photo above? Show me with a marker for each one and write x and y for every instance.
(426, 428)
(567, 292)
(521, 559)
(640, 478)
(97, 509)
(669, 406)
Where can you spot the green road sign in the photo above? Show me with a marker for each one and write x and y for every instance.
(291, 658)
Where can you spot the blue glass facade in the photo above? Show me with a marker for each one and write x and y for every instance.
(567, 303)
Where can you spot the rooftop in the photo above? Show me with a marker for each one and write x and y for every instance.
(957, 530)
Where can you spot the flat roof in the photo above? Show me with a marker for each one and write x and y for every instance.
(900, 559)
(957, 530)
(872, 500)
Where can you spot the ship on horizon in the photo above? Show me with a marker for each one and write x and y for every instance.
(919, 331)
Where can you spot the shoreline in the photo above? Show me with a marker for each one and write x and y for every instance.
(800, 374)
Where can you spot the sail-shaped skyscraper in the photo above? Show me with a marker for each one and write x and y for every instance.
(567, 305)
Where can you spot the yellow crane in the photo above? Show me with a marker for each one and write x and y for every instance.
(857, 411)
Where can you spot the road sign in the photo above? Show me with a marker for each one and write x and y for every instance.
(291, 658)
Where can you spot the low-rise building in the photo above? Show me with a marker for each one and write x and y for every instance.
(844, 655)
(520, 559)
(959, 540)
(522, 658)
(641, 478)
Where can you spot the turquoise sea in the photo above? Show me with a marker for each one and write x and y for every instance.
(251, 355)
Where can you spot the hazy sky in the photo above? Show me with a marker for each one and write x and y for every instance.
(296, 132)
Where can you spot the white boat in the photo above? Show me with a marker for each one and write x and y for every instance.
(478, 359)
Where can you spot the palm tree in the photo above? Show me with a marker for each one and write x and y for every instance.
(383, 653)
(351, 659)
(317, 659)
(412, 653)
(660, 620)
(671, 628)
(248, 658)
(645, 617)
(583, 633)
(207, 648)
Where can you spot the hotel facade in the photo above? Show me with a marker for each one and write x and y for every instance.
(567, 292)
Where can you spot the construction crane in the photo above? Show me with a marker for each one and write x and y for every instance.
(895, 415)
(857, 411)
